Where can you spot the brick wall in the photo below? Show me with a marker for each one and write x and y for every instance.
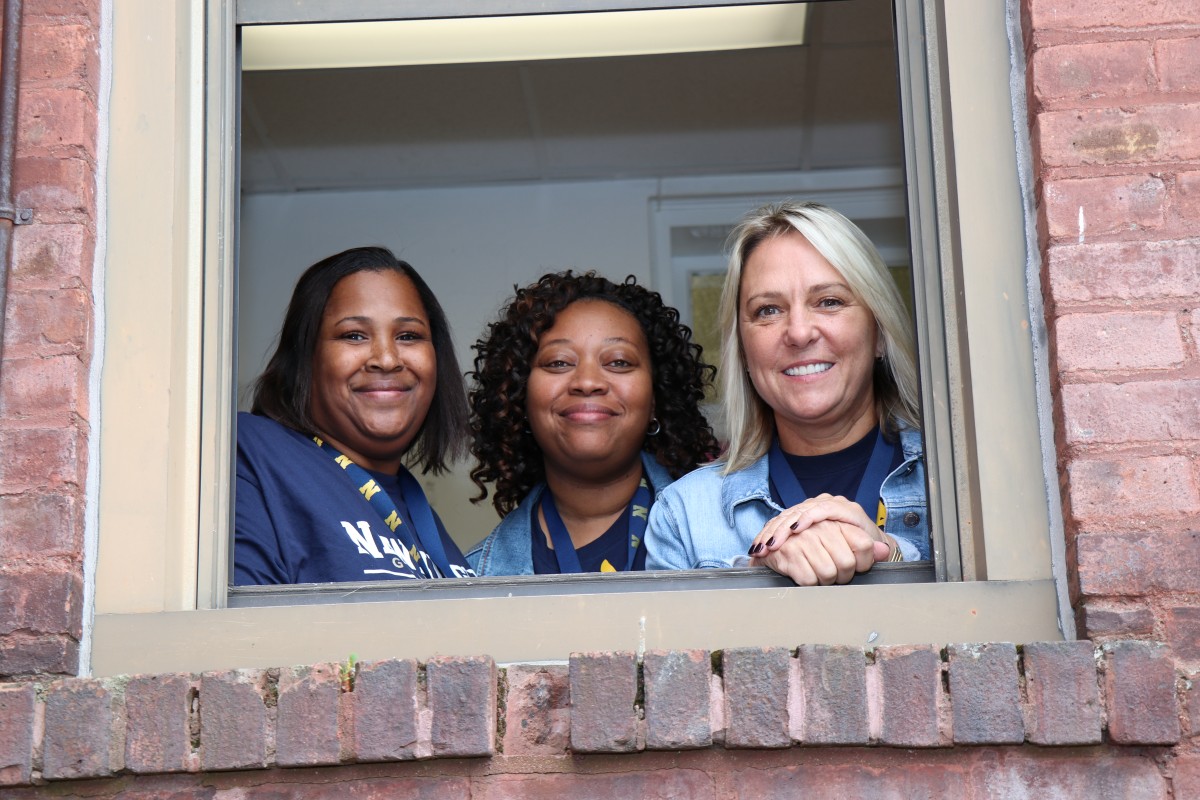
(970, 721)
(44, 415)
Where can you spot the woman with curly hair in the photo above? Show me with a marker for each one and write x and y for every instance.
(585, 405)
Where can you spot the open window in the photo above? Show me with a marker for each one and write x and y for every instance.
(450, 163)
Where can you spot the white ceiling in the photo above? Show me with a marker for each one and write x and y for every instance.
(829, 104)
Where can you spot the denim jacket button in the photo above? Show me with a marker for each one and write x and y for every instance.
(912, 518)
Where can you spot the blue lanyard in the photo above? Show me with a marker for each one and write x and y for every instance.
(792, 493)
(425, 539)
(564, 550)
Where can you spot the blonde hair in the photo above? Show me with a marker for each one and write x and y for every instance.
(748, 418)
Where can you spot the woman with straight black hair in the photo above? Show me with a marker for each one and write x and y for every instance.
(363, 382)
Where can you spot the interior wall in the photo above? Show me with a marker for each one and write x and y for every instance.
(471, 245)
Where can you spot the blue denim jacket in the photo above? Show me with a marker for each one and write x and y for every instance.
(706, 519)
(508, 550)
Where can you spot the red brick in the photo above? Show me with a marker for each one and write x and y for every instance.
(1140, 693)
(51, 257)
(1192, 702)
(867, 781)
(462, 697)
(41, 602)
(1091, 70)
(984, 698)
(1128, 413)
(1124, 272)
(157, 732)
(40, 525)
(307, 724)
(1133, 487)
(49, 389)
(910, 696)
(1119, 341)
(233, 720)
(58, 52)
(1187, 777)
(385, 710)
(1064, 697)
(1163, 133)
(86, 9)
(57, 121)
(1183, 632)
(603, 693)
(834, 684)
(78, 740)
(1112, 778)
(658, 783)
(756, 711)
(49, 184)
(1187, 197)
(16, 734)
(1050, 15)
(1136, 564)
(36, 458)
(1178, 64)
(677, 699)
(46, 653)
(1107, 620)
(537, 711)
(47, 322)
(1085, 207)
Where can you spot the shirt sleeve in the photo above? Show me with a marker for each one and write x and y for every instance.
(257, 555)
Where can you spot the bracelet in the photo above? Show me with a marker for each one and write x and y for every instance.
(896, 555)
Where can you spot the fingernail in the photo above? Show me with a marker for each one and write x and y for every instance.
(770, 541)
(793, 525)
(754, 548)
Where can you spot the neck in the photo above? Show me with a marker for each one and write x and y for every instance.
(588, 507)
(829, 439)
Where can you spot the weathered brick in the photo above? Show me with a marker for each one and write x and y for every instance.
(1124, 271)
(1140, 692)
(53, 256)
(43, 525)
(1133, 563)
(1186, 781)
(910, 696)
(1178, 63)
(834, 684)
(603, 692)
(157, 733)
(677, 699)
(1052, 15)
(1063, 694)
(653, 783)
(1183, 632)
(1128, 413)
(1107, 136)
(385, 710)
(1095, 206)
(78, 740)
(48, 653)
(984, 697)
(37, 457)
(47, 322)
(870, 781)
(44, 601)
(233, 720)
(1192, 703)
(57, 121)
(1108, 619)
(1091, 70)
(307, 723)
(1096, 778)
(16, 734)
(537, 713)
(462, 697)
(1108, 490)
(50, 389)
(50, 184)
(58, 52)
(1119, 341)
(1187, 197)
(756, 692)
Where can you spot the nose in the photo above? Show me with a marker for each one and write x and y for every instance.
(587, 379)
(801, 328)
(385, 355)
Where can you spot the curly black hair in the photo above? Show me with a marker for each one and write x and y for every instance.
(506, 452)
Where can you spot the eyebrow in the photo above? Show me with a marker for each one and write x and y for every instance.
(562, 341)
(817, 289)
(366, 320)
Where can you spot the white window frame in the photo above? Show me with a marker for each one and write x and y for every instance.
(167, 399)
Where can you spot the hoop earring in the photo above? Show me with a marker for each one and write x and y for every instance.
(655, 427)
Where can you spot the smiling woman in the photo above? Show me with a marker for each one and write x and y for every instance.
(363, 379)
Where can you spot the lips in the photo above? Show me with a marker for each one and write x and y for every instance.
(587, 412)
(382, 387)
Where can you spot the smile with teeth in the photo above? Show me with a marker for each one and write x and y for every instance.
(807, 369)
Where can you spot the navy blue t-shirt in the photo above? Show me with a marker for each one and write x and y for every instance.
(300, 519)
(838, 473)
(612, 547)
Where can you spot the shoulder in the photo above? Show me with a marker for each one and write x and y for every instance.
(507, 550)
(912, 442)
(656, 473)
(255, 431)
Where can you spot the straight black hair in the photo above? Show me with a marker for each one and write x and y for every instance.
(284, 390)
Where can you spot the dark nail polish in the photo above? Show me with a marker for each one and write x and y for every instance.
(770, 541)
(793, 525)
(754, 548)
